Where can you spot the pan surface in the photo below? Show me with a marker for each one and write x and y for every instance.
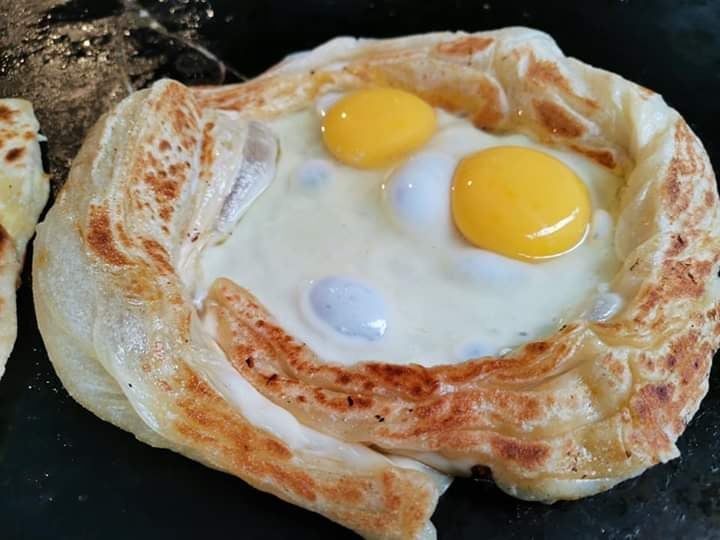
(66, 474)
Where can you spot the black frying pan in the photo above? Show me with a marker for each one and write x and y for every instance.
(66, 474)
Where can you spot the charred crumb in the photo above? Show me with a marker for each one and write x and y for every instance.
(379, 418)
(272, 378)
(350, 401)
(250, 362)
(481, 473)
(634, 265)
(130, 385)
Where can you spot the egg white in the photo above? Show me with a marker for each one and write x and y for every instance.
(447, 301)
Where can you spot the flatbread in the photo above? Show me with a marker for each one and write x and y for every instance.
(115, 270)
(24, 191)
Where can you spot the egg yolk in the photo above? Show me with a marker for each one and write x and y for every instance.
(520, 203)
(374, 127)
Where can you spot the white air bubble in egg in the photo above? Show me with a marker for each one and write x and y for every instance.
(484, 267)
(418, 194)
(348, 307)
(313, 175)
(602, 225)
(325, 102)
(606, 305)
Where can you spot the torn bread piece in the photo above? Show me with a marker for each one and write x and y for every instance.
(24, 189)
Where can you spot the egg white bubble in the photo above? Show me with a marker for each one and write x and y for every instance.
(605, 306)
(313, 175)
(418, 194)
(348, 307)
(602, 225)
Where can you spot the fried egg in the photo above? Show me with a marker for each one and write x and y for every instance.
(374, 127)
(519, 202)
(394, 231)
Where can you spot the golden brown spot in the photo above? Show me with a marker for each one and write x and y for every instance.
(363, 402)
(7, 114)
(392, 501)
(671, 361)
(413, 381)
(40, 259)
(150, 160)
(206, 151)
(165, 190)
(165, 213)
(530, 455)
(678, 201)
(301, 483)
(197, 386)
(164, 145)
(122, 235)
(545, 73)
(663, 392)
(180, 121)
(710, 199)
(489, 114)
(278, 449)
(557, 119)
(603, 157)
(100, 239)
(685, 164)
(158, 254)
(465, 46)
(14, 154)
(677, 246)
(537, 347)
(188, 143)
